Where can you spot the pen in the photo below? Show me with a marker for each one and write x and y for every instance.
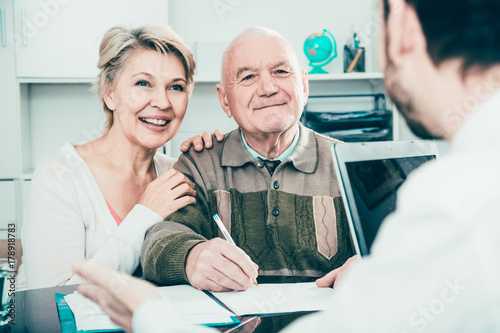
(228, 236)
(354, 61)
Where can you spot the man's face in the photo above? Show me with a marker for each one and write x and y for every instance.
(265, 90)
(399, 87)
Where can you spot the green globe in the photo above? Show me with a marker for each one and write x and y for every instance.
(320, 49)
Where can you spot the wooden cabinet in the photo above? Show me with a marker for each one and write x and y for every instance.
(60, 39)
(9, 139)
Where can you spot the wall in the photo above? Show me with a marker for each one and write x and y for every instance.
(59, 113)
(222, 20)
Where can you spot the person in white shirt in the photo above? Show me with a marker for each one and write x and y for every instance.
(95, 201)
(434, 266)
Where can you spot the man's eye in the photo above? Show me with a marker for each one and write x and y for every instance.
(142, 83)
(177, 87)
(281, 71)
(248, 77)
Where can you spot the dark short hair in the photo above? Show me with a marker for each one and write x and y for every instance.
(466, 29)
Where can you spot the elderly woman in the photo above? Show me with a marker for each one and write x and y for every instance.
(96, 201)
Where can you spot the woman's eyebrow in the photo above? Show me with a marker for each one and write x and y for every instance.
(143, 73)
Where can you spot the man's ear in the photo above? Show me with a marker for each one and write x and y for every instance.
(414, 38)
(397, 29)
(305, 83)
(109, 99)
(221, 93)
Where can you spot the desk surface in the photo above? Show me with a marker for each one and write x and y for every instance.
(36, 312)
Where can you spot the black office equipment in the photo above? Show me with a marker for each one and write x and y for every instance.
(350, 126)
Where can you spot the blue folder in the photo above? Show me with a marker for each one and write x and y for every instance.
(67, 319)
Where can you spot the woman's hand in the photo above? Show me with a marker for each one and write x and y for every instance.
(198, 140)
(168, 193)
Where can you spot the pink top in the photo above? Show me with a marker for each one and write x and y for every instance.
(115, 216)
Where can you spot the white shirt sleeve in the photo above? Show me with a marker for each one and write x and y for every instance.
(122, 249)
(56, 234)
(66, 219)
(53, 235)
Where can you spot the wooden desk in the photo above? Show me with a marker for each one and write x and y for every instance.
(36, 312)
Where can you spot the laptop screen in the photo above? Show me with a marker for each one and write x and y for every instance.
(374, 185)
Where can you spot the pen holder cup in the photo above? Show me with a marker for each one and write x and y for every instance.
(354, 59)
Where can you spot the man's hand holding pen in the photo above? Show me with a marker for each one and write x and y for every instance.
(217, 265)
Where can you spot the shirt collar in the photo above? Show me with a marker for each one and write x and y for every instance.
(479, 129)
(305, 156)
(284, 155)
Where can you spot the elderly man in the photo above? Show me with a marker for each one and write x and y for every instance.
(271, 181)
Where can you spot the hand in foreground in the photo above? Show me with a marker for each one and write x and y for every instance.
(198, 140)
(247, 325)
(333, 278)
(217, 265)
(118, 294)
(168, 193)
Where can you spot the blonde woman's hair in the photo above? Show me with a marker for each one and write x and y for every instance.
(120, 43)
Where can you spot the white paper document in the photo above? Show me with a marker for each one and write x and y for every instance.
(88, 315)
(193, 305)
(276, 298)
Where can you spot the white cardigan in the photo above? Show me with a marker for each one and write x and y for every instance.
(67, 219)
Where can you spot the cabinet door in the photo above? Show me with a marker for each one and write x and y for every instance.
(60, 38)
(9, 141)
(7, 204)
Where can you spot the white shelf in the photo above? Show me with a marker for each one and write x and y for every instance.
(314, 77)
(346, 76)
(210, 79)
(26, 176)
(49, 80)
(91, 80)
(206, 79)
(56, 79)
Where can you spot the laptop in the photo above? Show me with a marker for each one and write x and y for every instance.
(369, 175)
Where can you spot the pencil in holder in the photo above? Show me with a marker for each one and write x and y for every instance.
(354, 59)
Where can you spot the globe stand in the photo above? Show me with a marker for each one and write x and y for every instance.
(317, 69)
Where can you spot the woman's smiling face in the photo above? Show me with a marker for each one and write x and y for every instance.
(149, 99)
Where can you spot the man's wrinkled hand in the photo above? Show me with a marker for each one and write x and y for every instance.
(217, 265)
